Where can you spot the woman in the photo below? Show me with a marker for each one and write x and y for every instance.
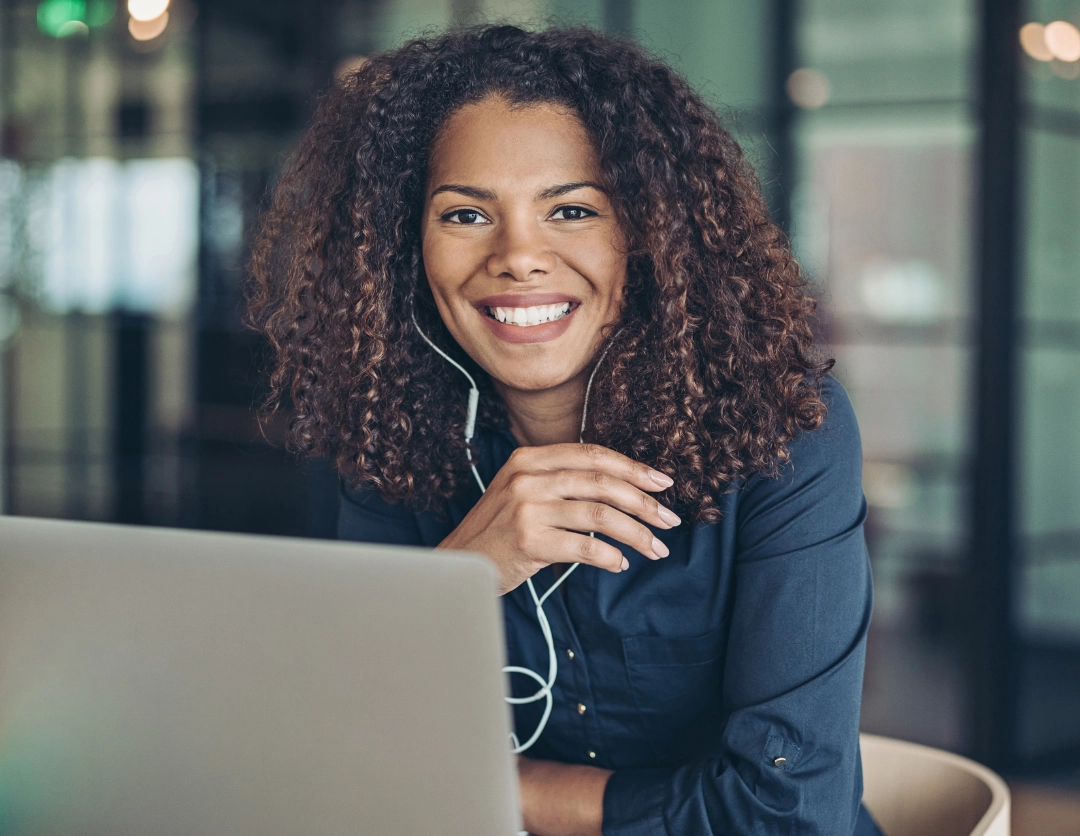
(558, 221)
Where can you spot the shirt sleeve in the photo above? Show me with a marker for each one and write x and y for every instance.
(788, 759)
(366, 517)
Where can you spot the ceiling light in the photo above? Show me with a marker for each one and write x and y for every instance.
(1063, 40)
(147, 10)
(147, 30)
(1033, 40)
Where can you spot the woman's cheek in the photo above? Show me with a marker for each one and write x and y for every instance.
(602, 264)
(437, 262)
(450, 259)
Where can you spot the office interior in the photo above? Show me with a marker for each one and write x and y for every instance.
(924, 156)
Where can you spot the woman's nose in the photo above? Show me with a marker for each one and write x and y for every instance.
(521, 250)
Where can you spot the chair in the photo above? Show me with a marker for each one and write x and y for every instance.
(914, 790)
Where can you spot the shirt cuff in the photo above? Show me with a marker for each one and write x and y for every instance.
(634, 802)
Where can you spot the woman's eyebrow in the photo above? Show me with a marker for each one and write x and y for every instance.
(566, 188)
(546, 194)
(468, 191)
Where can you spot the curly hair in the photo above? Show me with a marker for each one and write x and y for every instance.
(714, 367)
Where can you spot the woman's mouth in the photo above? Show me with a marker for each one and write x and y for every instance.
(538, 324)
(526, 317)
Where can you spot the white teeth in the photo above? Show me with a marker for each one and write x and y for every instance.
(531, 316)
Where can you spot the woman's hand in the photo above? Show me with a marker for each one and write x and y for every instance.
(536, 507)
(561, 799)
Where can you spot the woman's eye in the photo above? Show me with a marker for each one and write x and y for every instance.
(571, 213)
(465, 217)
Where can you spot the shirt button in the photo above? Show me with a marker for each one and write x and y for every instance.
(779, 762)
(592, 754)
(581, 708)
(570, 653)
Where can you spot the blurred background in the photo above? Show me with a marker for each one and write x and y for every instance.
(924, 155)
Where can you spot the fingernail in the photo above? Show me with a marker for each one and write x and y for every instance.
(625, 564)
(660, 548)
(669, 516)
(661, 479)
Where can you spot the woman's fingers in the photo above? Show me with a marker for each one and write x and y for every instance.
(601, 487)
(592, 457)
(591, 472)
(601, 518)
(570, 547)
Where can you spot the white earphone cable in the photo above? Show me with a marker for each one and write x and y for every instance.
(546, 685)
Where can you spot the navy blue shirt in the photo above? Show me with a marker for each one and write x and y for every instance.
(722, 683)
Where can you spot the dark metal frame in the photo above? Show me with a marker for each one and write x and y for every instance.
(619, 17)
(994, 653)
(780, 120)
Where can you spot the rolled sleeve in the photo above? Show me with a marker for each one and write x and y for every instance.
(634, 802)
(787, 760)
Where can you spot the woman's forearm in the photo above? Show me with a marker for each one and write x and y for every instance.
(561, 799)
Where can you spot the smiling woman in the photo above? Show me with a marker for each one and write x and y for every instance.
(575, 229)
(515, 204)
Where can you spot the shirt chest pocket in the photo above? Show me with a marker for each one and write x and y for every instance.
(676, 685)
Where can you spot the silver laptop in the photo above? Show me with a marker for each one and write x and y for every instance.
(157, 681)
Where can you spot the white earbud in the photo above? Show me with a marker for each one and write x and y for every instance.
(546, 685)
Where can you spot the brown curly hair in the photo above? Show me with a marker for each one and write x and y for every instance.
(714, 368)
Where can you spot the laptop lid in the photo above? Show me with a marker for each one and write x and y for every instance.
(159, 681)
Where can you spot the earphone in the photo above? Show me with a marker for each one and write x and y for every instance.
(553, 665)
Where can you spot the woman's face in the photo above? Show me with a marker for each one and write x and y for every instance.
(516, 226)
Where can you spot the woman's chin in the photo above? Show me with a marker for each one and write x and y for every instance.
(520, 379)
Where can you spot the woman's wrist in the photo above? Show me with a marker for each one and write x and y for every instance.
(560, 799)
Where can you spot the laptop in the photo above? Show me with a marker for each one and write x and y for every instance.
(158, 681)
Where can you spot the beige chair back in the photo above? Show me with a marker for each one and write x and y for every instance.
(914, 790)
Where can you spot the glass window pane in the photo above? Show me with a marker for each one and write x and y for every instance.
(873, 51)
(1052, 221)
(1052, 85)
(1048, 447)
(882, 216)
